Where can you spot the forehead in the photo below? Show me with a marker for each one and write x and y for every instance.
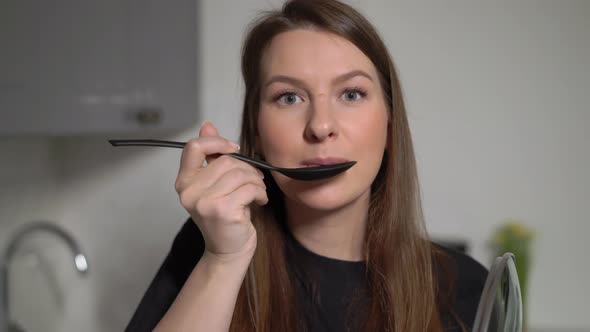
(307, 53)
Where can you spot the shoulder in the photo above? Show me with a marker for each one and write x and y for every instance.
(468, 270)
(461, 278)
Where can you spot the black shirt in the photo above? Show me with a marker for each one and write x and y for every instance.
(337, 283)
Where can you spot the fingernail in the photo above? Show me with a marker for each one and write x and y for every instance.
(235, 145)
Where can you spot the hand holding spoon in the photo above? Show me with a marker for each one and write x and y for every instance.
(302, 173)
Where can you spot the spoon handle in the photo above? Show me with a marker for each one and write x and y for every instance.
(180, 145)
(259, 164)
(146, 142)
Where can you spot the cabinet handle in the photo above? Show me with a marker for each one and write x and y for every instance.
(148, 116)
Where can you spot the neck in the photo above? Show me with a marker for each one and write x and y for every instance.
(337, 234)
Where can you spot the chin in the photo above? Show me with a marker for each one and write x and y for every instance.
(322, 202)
(322, 195)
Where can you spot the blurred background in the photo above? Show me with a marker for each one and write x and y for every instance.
(497, 95)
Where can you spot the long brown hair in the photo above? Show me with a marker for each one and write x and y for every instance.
(399, 257)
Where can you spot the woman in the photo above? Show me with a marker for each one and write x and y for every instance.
(263, 252)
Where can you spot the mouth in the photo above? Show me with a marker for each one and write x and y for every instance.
(323, 161)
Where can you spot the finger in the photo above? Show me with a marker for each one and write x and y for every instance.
(230, 190)
(225, 163)
(208, 130)
(247, 194)
(208, 176)
(233, 180)
(195, 152)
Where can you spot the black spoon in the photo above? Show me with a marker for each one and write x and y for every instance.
(303, 173)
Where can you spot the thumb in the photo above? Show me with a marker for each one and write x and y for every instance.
(207, 129)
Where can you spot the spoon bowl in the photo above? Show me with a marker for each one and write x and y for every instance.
(301, 173)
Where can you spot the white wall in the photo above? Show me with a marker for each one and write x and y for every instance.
(496, 94)
(28, 191)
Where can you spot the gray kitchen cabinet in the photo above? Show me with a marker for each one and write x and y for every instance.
(97, 66)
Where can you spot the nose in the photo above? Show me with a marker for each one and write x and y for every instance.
(321, 123)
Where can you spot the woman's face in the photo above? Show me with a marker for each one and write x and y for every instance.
(321, 102)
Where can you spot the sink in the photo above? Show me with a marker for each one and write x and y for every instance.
(14, 242)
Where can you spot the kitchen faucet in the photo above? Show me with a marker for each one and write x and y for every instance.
(80, 262)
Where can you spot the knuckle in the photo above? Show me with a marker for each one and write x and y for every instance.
(257, 171)
(225, 161)
(185, 200)
(193, 144)
(178, 186)
(233, 216)
(242, 175)
(258, 184)
(252, 189)
(218, 210)
(202, 206)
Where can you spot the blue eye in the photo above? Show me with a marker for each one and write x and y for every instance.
(353, 95)
(289, 99)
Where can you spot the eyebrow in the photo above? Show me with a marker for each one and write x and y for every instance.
(294, 81)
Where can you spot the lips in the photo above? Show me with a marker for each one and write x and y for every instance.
(323, 161)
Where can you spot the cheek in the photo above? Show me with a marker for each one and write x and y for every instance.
(275, 136)
(371, 142)
(370, 131)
